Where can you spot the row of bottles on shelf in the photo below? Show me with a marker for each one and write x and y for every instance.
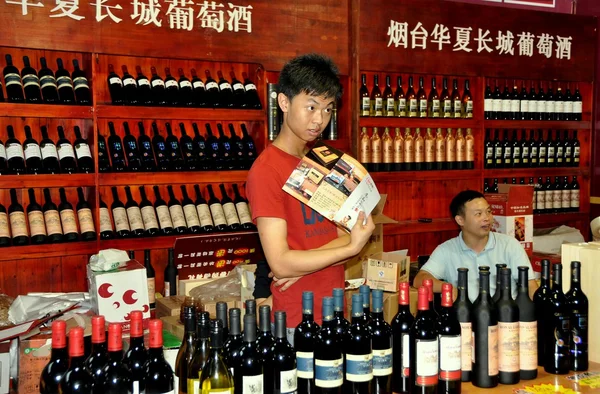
(184, 92)
(532, 105)
(175, 154)
(408, 152)
(46, 223)
(415, 105)
(525, 152)
(558, 197)
(45, 157)
(44, 86)
(174, 217)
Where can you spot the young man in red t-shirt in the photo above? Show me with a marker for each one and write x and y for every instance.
(304, 250)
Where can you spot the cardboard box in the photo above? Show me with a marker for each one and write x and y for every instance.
(354, 266)
(385, 270)
(115, 294)
(172, 325)
(512, 208)
(186, 285)
(390, 304)
(536, 261)
(171, 306)
(34, 354)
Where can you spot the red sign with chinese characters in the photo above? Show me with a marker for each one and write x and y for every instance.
(212, 256)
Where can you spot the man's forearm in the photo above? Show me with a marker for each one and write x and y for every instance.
(422, 275)
(293, 263)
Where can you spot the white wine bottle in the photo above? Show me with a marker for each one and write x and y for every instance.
(216, 377)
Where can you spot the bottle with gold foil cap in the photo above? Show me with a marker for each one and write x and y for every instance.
(409, 150)
(419, 150)
(388, 150)
(460, 150)
(376, 150)
(440, 150)
(429, 150)
(398, 150)
(470, 151)
(450, 151)
(365, 147)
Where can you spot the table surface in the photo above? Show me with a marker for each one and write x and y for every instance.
(543, 378)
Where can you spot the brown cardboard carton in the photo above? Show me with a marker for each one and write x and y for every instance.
(386, 270)
(390, 304)
(171, 306)
(34, 354)
(172, 325)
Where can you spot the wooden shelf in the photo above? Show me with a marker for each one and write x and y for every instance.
(549, 219)
(405, 227)
(537, 124)
(54, 180)
(398, 176)
(45, 111)
(418, 122)
(169, 113)
(535, 172)
(163, 242)
(48, 250)
(170, 178)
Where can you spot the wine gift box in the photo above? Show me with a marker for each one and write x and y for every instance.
(385, 270)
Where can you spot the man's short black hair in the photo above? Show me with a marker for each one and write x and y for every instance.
(457, 206)
(313, 74)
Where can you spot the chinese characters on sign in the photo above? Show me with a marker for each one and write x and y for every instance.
(177, 14)
(400, 34)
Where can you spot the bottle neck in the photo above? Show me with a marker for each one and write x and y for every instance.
(308, 317)
(59, 354)
(523, 282)
(377, 316)
(575, 278)
(99, 347)
(115, 356)
(136, 342)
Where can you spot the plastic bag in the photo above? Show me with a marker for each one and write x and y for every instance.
(108, 260)
(229, 286)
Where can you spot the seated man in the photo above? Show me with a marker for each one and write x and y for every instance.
(474, 247)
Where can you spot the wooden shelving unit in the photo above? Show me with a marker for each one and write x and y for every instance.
(535, 172)
(54, 180)
(433, 123)
(405, 176)
(45, 111)
(45, 251)
(170, 178)
(537, 124)
(168, 113)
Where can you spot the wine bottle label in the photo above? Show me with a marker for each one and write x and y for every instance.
(470, 150)
(382, 362)
(105, 224)
(359, 367)
(429, 151)
(185, 84)
(250, 86)
(488, 105)
(149, 217)
(427, 362)
(376, 151)
(304, 361)
(492, 350)
(164, 217)
(542, 154)
(524, 106)
(390, 104)
(412, 108)
(211, 85)
(198, 85)
(12, 79)
(528, 346)
(69, 224)
(365, 106)
(204, 215)
(31, 80)
(576, 154)
(472, 347)
(465, 346)
(83, 150)
(568, 107)
(157, 82)
(489, 155)
(405, 355)
(36, 223)
(557, 199)
(533, 106)
(450, 357)
(224, 85)
(253, 384)
(17, 224)
(423, 108)
(135, 218)
(288, 382)
(329, 373)
(4, 232)
(440, 150)
(457, 108)
(508, 343)
(238, 86)
(575, 198)
(409, 152)
(550, 107)
(230, 214)
(515, 105)
(568, 153)
(566, 199)
(534, 154)
(398, 150)
(559, 154)
(191, 216)
(171, 83)
(401, 107)
(378, 106)
(577, 107)
(65, 150)
(86, 222)
(525, 154)
(419, 151)
(507, 154)
(541, 199)
(49, 150)
(435, 108)
(549, 199)
(460, 150)
(115, 81)
(506, 105)
(450, 150)
(559, 107)
(535, 192)
(2, 151)
(243, 212)
(517, 155)
(64, 82)
(579, 328)
(388, 151)
(560, 327)
(120, 217)
(177, 216)
(497, 105)
(14, 150)
(80, 82)
(47, 81)
(193, 386)
(32, 150)
(542, 106)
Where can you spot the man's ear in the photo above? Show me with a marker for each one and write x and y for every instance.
(283, 101)
(459, 220)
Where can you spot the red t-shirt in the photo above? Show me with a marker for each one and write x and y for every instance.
(306, 230)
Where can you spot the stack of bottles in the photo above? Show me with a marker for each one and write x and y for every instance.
(415, 105)
(520, 152)
(174, 217)
(541, 105)
(182, 92)
(418, 152)
(156, 153)
(44, 86)
(48, 223)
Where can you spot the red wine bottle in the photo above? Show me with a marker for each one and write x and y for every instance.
(186, 93)
(49, 153)
(199, 90)
(365, 291)
(243, 211)
(176, 211)
(18, 225)
(213, 95)
(37, 227)
(171, 88)
(65, 84)
(231, 216)
(98, 358)
(540, 298)
(190, 213)
(238, 153)
(143, 88)
(12, 80)
(160, 149)
(186, 350)
(204, 216)
(66, 153)
(159, 94)
(33, 154)
(401, 324)
(148, 214)
(115, 147)
(527, 328)
(119, 214)
(508, 331)
(249, 371)
(485, 335)
(81, 85)
(450, 344)
(159, 375)
(136, 356)
(67, 218)
(54, 371)
(52, 219)
(579, 306)
(251, 93)
(14, 153)
(134, 215)
(557, 327)
(106, 227)
(130, 93)
(134, 163)
(162, 212)
(496, 296)
(201, 149)
(115, 87)
(117, 377)
(47, 83)
(215, 150)
(3, 162)
(283, 361)
(329, 357)
(85, 163)
(225, 92)
(144, 144)
(239, 92)
(103, 160)
(233, 343)
(171, 276)
(77, 378)
(31, 83)
(173, 150)
(462, 309)
(151, 277)
(381, 340)
(265, 340)
(226, 151)
(216, 210)
(4, 228)
(304, 343)
(188, 150)
(423, 348)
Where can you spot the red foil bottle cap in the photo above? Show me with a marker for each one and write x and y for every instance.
(59, 334)
(115, 331)
(136, 328)
(447, 295)
(98, 329)
(76, 342)
(155, 339)
(423, 303)
(404, 296)
(428, 283)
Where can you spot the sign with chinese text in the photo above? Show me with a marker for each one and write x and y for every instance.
(213, 256)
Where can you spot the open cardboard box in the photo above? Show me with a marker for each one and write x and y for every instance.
(385, 270)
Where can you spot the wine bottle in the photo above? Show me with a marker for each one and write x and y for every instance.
(238, 154)
(119, 214)
(400, 99)
(12, 80)
(233, 343)
(215, 150)
(148, 214)
(226, 150)
(577, 104)
(186, 350)
(450, 332)
(304, 343)
(173, 150)
(250, 305)
(201, 352)
(458, 103)
(54, 371)
(84, 214)
(212, 91)
(422, 99)
(37, 229)
(434, 101)
(188, 150)
(130, 93)
(190, 213)
(243, 211)
(176, 212)
(329, 373)
(103, 160)
(381, 343)
(98, 358)
(66, 154)
(239, 93)
(527, 328)
(248, 375)
(462, 307)
(76, 379)
(115, 87)
(250, 148)
(225, 92)
(117, 377)
(557, 329)
(429, 284)
(216, 210)
(508, 331)
(134, 162)
(342, 326)
(171, 276)
(162, 212)
(252, 94)
(423, 348)
(3, 159)
(144, 91)
(115, 147)
(365, 292)
(579, 305)
(134, 215)
(136, 356)
(185, 94)
(159, 375)
(85, 163)
(33, 155)
(199, 90)
(81, 85)
(485, 336)
(14, 153)
(204, 215)
(67, 218)
(231, 216)
(201, 149)
(66, 93)
(365, 100)
(160, 149)
(157, 86)
(47, 83)
(401, 324)
(497, 287)
(51, 219)
(283, 361)
(389, 105)
(106, 227)
(144, 143)
(221, 311)
(215, 377)
(496, 102)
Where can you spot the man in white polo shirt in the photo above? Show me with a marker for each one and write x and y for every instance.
(475, 246)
